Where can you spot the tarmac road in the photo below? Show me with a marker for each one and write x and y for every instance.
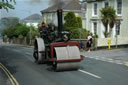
(23, 71)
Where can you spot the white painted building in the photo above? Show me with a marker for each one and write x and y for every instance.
(50, 15)
(33, 20)
(35, 24)
(94, 24)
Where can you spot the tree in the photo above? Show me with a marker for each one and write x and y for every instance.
(9, 21)
(73, 23)
(22, 29)
(19, 30)
(79, 21)
(70, 20)
(108, 18)
(7, 4)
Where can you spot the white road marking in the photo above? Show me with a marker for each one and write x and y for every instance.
(90, 57)
(91, 74)
(126, 63)
(111, 61)
(102, 58)
(85, 56)
(28, 53)
(119, 63)
(97, 58)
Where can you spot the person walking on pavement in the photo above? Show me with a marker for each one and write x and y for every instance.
(89, 42)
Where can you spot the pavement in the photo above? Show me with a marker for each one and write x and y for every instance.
(95, 70)
(117, 56)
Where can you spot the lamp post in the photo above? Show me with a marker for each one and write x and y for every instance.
(117, 29)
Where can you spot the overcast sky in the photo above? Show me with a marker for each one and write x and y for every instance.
(24, 8)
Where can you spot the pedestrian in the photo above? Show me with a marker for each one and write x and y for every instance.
(89, 42)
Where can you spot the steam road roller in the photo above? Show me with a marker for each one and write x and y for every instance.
(55, 47)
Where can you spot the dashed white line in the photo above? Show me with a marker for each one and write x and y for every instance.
(90, 57)
(126, 63)
(28, 53)
(97, 58)
(119, 63)
(111, 61)
(91, 74)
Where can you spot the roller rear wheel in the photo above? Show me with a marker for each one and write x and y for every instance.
(39, 56)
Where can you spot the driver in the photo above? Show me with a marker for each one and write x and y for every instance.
(44, 32)
(43, 28)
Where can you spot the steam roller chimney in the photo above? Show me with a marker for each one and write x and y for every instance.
(60, 21)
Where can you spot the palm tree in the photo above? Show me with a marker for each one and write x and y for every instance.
(108, 18)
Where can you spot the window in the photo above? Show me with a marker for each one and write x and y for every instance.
(95, 27)
(106, 4)
(119, 7)
(95, 8)
(53, 16)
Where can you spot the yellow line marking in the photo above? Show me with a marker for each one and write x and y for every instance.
(10, 76)
(7, 75)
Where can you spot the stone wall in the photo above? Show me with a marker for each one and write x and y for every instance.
(21, 41)
(104, 41)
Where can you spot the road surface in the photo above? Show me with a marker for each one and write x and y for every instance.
(17, 67)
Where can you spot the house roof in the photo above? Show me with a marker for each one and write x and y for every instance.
(33, 18)
(89, 1)
(71, 5)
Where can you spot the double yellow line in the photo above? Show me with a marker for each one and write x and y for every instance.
(10, 76)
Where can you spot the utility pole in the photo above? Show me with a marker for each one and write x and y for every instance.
(80, 29)
(80, 33)
(30, 32)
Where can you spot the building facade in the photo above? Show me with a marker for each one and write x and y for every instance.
(95, 25)
(50, 14)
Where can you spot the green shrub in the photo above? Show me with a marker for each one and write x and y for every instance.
(73, 24)
(20, 29)
(20, 36)
(79, 21)
(70, 20)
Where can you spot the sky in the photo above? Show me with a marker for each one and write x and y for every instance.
(24, 8)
